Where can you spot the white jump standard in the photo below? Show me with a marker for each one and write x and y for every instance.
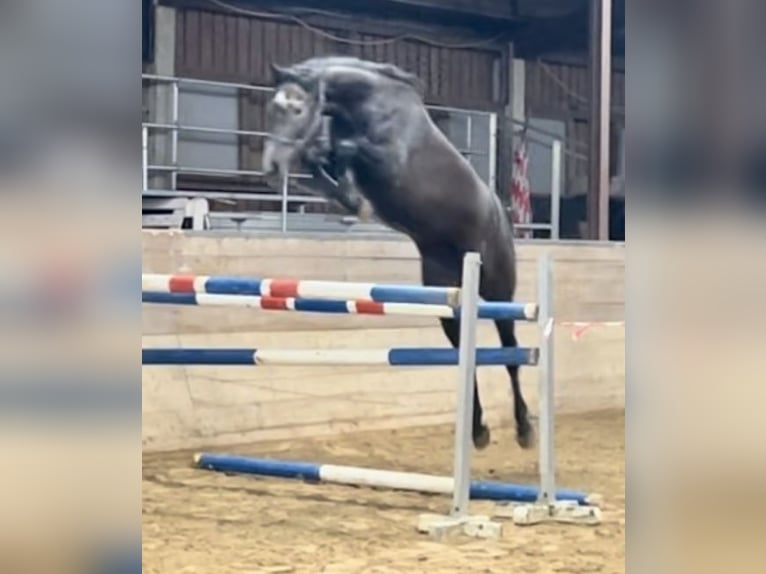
(549, 507)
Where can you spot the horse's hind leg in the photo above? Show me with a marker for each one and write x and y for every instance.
(442, 274)
(524, 432)
(497, 284)
(479, 431)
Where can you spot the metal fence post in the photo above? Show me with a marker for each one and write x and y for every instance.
(285, 179)
(144, 159)
(556, 156)
(175, 120)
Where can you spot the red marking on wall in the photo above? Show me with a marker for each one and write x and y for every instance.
(284, 288)
(182, 284)
(370, 308)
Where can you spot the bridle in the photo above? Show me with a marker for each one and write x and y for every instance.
(316, 128)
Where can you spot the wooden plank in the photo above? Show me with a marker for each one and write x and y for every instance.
(219, 45)
(227, 411)
(207, 60)
(192, 47)
(271, 47)
(345, 247)
(195, 407)
(259, 72)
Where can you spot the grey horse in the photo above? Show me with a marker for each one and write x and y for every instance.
(363, 131)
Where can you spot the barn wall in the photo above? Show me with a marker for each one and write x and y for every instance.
(562, 91)
(240, 49)
(496, 9)
(564, 88)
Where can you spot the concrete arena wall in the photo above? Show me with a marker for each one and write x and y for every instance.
(213, 407)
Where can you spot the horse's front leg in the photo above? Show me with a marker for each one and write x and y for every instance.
(341, 188)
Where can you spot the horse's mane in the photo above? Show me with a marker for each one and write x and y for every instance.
(390, 71)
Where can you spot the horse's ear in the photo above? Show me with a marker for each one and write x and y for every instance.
(281, 75)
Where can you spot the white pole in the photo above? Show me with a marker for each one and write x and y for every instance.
(469, 302)
(555, 189)
(546, 390)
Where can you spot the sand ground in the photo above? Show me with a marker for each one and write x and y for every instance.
(197, 521)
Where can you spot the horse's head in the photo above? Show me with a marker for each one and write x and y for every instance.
(294, 116)
(340, 87)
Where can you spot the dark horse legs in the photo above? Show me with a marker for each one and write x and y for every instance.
(438, 272)
(497, 284)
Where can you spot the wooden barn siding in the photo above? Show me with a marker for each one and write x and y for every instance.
(496, 9)
(546, 98)
(235, 48)
(240, 49)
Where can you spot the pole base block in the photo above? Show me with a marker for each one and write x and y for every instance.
(441, 526)
(562, 511)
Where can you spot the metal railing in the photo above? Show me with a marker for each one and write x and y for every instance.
(174, 127)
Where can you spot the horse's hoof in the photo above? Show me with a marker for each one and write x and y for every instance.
(482, 438)
(525, 436)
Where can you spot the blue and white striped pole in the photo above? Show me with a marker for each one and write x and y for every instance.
(396, 357)
(360, 476)
(486, 310)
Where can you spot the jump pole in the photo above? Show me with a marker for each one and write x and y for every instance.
(394, 357)
(372, 477)
(486, 309)
(278, 287)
